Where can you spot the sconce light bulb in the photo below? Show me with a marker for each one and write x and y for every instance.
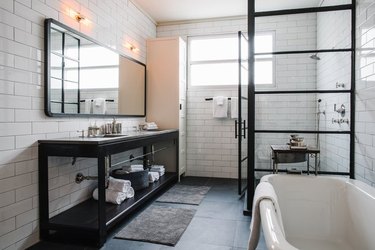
(79, 18)
(131, 47)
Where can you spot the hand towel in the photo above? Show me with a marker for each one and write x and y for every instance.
(118, 185)
(88, 105)
(220, 107)
(111, 196)
(264, 190)
(99, 106)
(153, 176)
(234, 107)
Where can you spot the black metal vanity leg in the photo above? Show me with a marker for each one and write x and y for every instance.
(308, 164)
(177, 143)
(275, 167)
(43, 192)
(316, 163)
(101, 199)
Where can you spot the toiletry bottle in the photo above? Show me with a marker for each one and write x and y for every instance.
(114, 128)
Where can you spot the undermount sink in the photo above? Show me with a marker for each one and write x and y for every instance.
(113, 135)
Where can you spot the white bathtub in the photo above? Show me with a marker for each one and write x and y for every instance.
(319, 213)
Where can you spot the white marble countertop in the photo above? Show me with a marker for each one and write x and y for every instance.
(107, 138)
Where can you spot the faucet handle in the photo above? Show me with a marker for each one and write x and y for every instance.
(82, 133)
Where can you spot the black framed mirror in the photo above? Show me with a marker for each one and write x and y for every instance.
(86, 78)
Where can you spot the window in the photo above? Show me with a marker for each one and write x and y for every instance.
(213, 60)
(264, 64)
(99, 68)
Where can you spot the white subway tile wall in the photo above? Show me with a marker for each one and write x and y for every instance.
(22, 118)
(365, 92)
(211, 146)
(334, 32)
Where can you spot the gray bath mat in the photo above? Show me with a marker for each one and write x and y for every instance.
(158, 224)
(185, 194)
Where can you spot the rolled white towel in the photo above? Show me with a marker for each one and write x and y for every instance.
(157, 167)
(130, 193)
(153, 176)
(111, 196)
(118, 184)
(160, 171)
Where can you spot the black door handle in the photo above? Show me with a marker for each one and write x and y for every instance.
(244, 129)
(235, 129)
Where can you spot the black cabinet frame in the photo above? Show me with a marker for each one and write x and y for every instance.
(90, 220)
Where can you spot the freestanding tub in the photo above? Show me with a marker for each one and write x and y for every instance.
(319, 213)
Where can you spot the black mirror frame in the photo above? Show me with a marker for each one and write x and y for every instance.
(47, 69)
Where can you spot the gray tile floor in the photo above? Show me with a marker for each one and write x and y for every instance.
(218, 223)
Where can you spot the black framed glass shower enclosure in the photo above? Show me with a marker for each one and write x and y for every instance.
(241, 124)
(340, 129)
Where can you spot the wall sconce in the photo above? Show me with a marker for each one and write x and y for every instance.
(131, 47)
(78, 17)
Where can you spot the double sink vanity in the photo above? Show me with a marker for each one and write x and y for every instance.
(91, 219)
(85, 79)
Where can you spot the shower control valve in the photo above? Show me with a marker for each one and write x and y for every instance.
(340, 110)
(344, 121)
(340, 121)
(335, 120)
(340, 85)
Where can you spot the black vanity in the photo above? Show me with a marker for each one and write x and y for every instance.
(92, 219)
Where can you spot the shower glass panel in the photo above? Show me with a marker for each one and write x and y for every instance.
(308, 31)
(296, 72)
(285, 112)
(313, 91)
(308, 112)
(333, 157)
(269, 5)
(242, 112)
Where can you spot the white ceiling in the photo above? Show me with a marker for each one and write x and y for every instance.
(183, 10)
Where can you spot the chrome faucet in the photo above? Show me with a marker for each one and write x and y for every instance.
(340, 110)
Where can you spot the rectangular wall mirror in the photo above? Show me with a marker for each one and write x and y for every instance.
(85, 78)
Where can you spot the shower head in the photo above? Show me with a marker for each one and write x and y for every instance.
(319, 100)
(315, 57)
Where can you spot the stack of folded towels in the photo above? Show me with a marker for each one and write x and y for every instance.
(118, 190)
(159, 169)
(133, 168)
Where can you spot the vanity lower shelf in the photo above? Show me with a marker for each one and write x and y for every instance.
(90, 220)
(85, 214)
